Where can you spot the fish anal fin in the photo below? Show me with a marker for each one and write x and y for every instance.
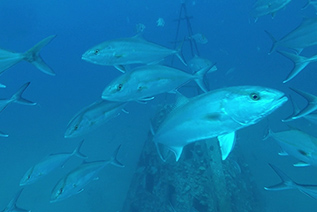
(177, 150)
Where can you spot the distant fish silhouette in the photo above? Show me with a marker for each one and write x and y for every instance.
(11, 207)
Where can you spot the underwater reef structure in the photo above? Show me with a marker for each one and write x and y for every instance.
(199, 182)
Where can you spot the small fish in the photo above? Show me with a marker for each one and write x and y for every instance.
(11, 207)
(199, 38)
(75, 181)
(300, 63)
(49, 164)
(8, 58)
(218, 113)
(16, 98)
(266, 7)
(126, 51)
(140, 28)
(160, 22)
(197, 63)
(92, 117)
(287, 183)
(303, 36)
(147, 81)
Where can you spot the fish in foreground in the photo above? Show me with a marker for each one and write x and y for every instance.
(219, 113)
(300, 63)
(266, 7)
(11, 207)
(92, 117)
(49, 164)
(126, 51)
(197, 63)
(144, 82)
(75, 181)
(298, 144)
(287, 183)
(303, 36)
(8, 58)
(16, 98)
(310, 107)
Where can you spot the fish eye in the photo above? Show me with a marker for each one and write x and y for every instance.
(60, 191)
(96, 52)
(255, 96)
(76, 127)
(119, 87)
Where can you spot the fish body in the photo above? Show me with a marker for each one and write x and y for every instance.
(298, 144)
(92, 117)
(9, 58)
(197, 63)
(303, 36)
(11, 207)
(219, 113)
(147, 81)
(75, 181)
(125, 51)
(266, 7)
(47, 165)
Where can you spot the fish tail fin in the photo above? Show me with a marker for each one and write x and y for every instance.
(273, 40)
(287, 182)
(33, 56)
(2, 134)
(311, 106)
(300, 63)
(17, 97)
(200, 77)
(114, 161)
(306, 5)
(296, 110)
(77, 151)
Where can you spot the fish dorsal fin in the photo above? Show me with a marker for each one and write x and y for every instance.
(181, 100)
(177, 150)
(226, 143)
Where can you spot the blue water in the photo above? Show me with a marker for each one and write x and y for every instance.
(237, 44)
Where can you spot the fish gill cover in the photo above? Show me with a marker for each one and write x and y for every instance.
(47, 85)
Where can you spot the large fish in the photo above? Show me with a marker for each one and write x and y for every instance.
(303, 36)
(300, 62)
(92, 117)
(287, 183)
(8, 58)
(11, 207)
(297, 144)
(219, 113)
(125, 51)
(266, 7)
(75, 181)
(146, 81)
(16, 98)
(49, 164)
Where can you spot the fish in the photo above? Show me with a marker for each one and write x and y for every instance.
(49, 164)
(300, 62)
(160, 22)
(75, 181)
(298, 144)
(11, 207)
(199, 38)
(303, 36)
(144, 82)
(310, 107)
(9, 58)
(16, 98)
(92, 117)
(125, 51)
(218, 113)
(197, 63)
(266, 7)
(287, 183)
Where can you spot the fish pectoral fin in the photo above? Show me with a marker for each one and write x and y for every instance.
(96, 178)
(301, 164)
(226, 143)
(120, 68)
(282, 153)
(80, 191)
(177, 150)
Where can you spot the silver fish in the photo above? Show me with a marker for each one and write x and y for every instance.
(8, 58)
(297, 144)
(11, 207)
(92, 117)
(266, 7)
(75, 181)
(16, 98)
(49, 164)
(303, 36)
(125, 51)
(288, 183)
(219, 113)
(147, 81)
(300, 62)
(197, 63)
